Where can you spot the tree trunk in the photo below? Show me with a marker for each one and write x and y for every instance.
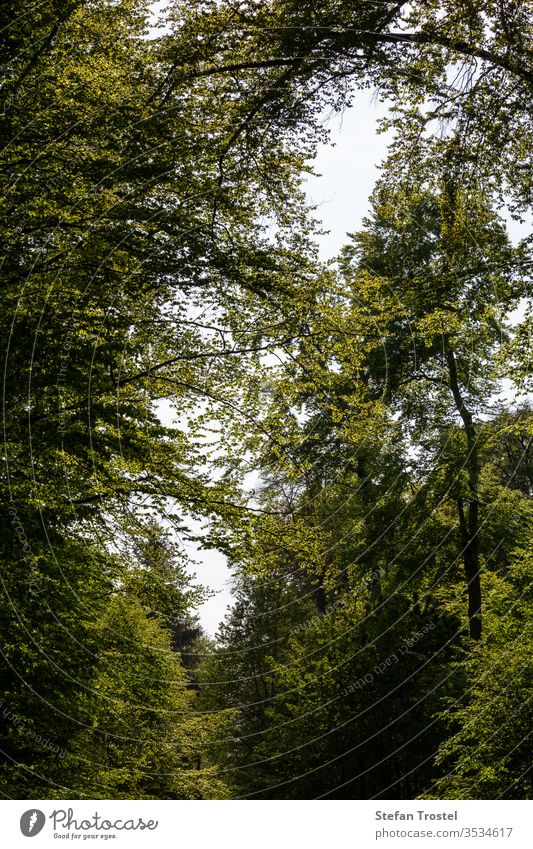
(471, 566)
(320, 599)
(469, 519)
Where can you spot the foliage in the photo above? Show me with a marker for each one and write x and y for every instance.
(168, 329)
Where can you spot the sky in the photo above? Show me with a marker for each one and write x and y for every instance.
(346, 173)
(346, 170)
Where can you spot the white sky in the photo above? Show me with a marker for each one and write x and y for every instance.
(348, 171)
(348, 168)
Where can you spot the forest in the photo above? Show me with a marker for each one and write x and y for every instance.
(182, 372)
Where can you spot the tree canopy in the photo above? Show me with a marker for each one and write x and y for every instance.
(169, 329)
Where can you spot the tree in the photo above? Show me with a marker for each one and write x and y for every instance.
(447, 275)
(487, 753)
(157, 252)
(142, 738)
(463, 70)
(110, 250)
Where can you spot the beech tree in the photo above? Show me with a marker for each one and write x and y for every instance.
(169, 328)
